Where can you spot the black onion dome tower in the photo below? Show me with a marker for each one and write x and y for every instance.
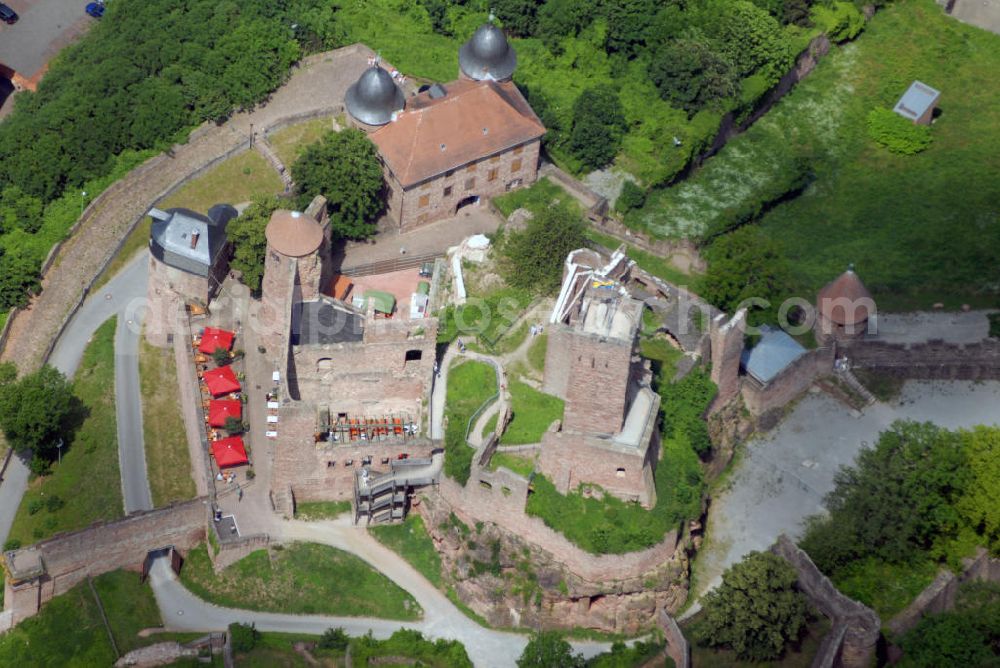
(374, 97)
(487, 55)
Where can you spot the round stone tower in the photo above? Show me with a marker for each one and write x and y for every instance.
(487, 55)
(293, 269)
(373, 99)
(844, 309)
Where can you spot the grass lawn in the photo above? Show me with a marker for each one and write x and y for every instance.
(321, 510)
(532, 413)
(86, 484)
(231, 182)
(798, 655)
(536, 352)
(301, 578)
(522, 465)
(886, 588)
(411, 541)
(69, 632)
(167, 456)
(130, 607)
(921, 228)
(470, 384)
(290, 142)
(539, 196)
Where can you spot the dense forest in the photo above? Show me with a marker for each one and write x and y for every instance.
(641, 82)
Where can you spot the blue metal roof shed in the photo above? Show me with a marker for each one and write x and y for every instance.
(918, 99)
(775, 351)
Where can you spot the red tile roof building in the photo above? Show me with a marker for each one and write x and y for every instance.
(477, 140)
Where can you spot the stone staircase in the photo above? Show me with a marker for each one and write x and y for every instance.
(264, 148)
(852, 381)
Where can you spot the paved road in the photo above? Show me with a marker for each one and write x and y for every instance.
(126, 290)
(181, 610)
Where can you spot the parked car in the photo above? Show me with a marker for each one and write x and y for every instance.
(8, 15)
(427, 269)
(95, 9)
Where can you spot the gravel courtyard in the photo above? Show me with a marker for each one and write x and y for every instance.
(782, 477)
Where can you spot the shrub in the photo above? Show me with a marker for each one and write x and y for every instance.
(841, 21)
(243, 637)
(334, 639)
(631, 197)
(234, 425)
(756, 610)
(34, 506)
(551, 650)
(12, 544)
(54, 503)
(533, 258)
(684, 403)
(896, 133)
(221, 356)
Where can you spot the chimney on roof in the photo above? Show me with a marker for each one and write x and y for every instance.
(194, 238)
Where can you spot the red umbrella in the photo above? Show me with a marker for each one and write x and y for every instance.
(214, 338)
(229, 452)
(221, 381)
(219, 410)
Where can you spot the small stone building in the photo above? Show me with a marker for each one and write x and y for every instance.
(844, 309)
(608, 436)
(454, 144)
(188, 260)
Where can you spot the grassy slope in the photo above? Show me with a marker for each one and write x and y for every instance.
(532, 413)
(470, 384)
(227, 182)
(69, 631)
(167, 456)
(920, 228)
(88, 479)
(289, 143)
(321, 510)
(302, 578)
(411, 541)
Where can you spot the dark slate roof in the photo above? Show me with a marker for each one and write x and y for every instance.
(487, 55)
(172, 231)
(772, 354)
(323, 321)
(374, 97)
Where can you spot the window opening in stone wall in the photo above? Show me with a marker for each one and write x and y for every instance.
(620, 472)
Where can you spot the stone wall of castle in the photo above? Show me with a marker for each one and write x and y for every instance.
(789, 384)
(934, 359)
(601, 371)
(169, 289)
(72, 557)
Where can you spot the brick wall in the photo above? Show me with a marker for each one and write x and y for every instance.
(597, 391)
(474, 503)
(934, 359)
(70, 558)
(486, 178)
(277, 296)
(790, 383)
(726, 335)
(857, 626)
(571, 459)
(557, 360)
(301, 464)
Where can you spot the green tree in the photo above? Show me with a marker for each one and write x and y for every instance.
(756, 611)
(533, 258)
(751, 40)
(548, 649)
(562, 18)
(243, 637)
(249, 243)
(980, 505)
(628, 23)
(898, 499)
(796, 12)
(19, 210)
(598, 126)
(19, 279)
(334, 639)
(691, 76)
(743, 265)
(631, 197)
(37, 411)
(344, 168)
(518, 16)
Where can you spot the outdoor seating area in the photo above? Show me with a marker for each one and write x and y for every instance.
(222, 398)
(345, 429)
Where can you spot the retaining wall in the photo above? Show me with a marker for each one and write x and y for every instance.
(932, 360)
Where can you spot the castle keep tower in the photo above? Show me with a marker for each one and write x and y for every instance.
(293, 269)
